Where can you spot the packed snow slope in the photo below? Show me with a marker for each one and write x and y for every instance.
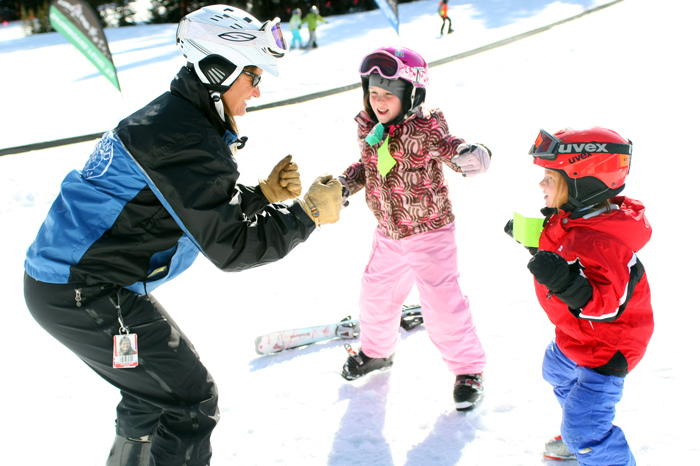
(629, 67)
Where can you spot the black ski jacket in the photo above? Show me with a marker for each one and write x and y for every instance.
(157, 190)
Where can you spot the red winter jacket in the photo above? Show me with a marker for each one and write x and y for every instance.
(442, 10)
(611, 332)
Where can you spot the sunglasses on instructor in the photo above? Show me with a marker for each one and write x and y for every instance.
(256, 77)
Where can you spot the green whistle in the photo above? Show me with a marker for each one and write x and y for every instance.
(376, 135)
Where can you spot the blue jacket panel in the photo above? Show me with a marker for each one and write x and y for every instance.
(88, 205)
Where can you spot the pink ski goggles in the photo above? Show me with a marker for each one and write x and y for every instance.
(390, 67)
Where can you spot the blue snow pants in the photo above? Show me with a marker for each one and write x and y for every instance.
(588, 402)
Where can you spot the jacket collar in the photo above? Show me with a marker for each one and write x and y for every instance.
(187, 86)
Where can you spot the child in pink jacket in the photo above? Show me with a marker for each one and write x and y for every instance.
(403, 148)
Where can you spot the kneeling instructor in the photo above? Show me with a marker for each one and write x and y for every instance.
(157, 190)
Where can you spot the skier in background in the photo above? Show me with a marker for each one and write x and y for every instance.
(592, 286)
(159, 189)
(403, 147)
(442, 11)
(311, 19)
(295, 27)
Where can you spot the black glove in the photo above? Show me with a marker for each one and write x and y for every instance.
(509, 231)
(563, 279)
(346, 194)
(550, 270)
(509, 228)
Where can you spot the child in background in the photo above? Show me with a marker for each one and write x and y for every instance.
(442, 11)
(402, 150)
(311, 20)
(295, 27)
(592, 286)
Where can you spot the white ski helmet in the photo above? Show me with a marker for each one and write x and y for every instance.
(218, 41)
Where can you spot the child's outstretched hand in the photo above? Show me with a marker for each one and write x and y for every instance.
(509, 231)
(550, 270)
(563, 279)
(473, 159)
(345, 192)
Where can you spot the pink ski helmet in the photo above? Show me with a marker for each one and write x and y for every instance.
(398, 63)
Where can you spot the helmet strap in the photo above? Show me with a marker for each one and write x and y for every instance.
(579, 208)
(218, 104)
(411, 110)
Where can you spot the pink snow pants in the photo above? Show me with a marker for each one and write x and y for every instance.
(428, 260)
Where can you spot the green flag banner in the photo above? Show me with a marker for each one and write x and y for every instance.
(390, 8)
(78, 23)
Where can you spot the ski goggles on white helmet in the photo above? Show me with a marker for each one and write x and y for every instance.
(548, 147)
(268, 38)
(391, 67)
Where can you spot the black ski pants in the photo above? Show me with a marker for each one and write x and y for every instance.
(169, 395)
(448, 21)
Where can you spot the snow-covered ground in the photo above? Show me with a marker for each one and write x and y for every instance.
(628, 67)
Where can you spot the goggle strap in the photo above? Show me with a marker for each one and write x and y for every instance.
(580, 148)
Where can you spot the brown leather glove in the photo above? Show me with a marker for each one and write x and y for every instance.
(283, 183)
(323, 201)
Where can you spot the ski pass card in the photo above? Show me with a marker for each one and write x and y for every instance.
(125, 351)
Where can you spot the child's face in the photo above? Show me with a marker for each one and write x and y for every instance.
(549, 187)
(386, 105)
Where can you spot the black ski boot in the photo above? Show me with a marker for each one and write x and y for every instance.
(130, 451)
(468, 390)
(360, 364)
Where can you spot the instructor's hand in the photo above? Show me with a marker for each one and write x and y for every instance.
(283, 183)
(323, 201)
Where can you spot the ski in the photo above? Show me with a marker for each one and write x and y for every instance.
(346, 329)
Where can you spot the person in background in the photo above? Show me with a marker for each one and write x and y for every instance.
(311, 19)
(158, 190)
(442, 11)
(592, 286)
(295, 27)
(403, 147)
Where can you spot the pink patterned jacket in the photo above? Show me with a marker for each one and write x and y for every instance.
(413, 198)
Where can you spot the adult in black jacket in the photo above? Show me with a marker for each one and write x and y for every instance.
(159, 189)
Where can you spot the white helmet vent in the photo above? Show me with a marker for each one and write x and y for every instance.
(216, 68)
(196, 45)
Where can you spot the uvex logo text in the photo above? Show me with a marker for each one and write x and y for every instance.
(579, 157)
(584, 147)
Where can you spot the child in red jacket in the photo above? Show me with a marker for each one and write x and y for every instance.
(592, 286)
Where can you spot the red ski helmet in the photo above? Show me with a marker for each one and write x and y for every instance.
(594, 161)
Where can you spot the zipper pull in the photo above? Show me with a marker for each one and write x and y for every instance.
(78, 297)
